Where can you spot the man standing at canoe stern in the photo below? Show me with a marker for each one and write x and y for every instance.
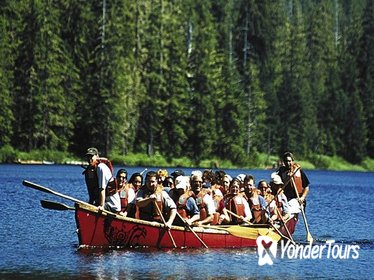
(154, 203)
(100, 179)
(292, 173)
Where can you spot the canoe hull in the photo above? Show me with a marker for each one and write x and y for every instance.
(112, 231)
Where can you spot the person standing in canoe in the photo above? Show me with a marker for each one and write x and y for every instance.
(101, 186)
(292, 173)
(154, 203)
(296, 186)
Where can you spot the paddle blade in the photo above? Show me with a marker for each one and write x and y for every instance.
(55, 205)
(309, 238)
(251, 233)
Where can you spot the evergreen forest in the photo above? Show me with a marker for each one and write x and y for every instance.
(189, 78)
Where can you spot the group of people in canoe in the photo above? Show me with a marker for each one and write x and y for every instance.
(203, 197)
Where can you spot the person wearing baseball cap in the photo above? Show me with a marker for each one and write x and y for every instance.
(101, 186)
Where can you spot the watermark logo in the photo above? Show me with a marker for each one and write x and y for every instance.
(267, 250)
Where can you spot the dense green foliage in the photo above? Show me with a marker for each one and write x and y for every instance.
(200, 80)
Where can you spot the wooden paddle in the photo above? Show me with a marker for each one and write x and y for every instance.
(163, 220)
(273, 226)
(190, 228)
(50, 191)
(250, 232)
(284, 225)
(53, 205)
(237, 216)
(309, 237)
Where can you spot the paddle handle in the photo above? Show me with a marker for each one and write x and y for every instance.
(50, 191)
(309, 237)
(47, 190)
(284, 224)
(163, 220)
(190, 228)
(237, 216)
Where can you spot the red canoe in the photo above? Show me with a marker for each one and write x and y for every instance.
(114, 231)
(104, 229)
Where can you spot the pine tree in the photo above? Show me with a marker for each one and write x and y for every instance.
(6, 81)
(354, 138)
(44, 101)
(153, 76)
(204, 64)
(271, 68)
(254, 99)
(294, 93)
(96, 102)
(230, 125)
(320, 59)
(173, 104)
(366, 68)
(125, 89)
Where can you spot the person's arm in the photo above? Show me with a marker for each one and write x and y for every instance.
(285, 206)
(130, 195)
(224, 217)
(306, 183)
(173, 213)
(101, 199)
(104, 175)
(264, 205)
(247, 211)
(193, 210)
(142, 202)
(207, 220)
(170, 205)
(304, 195)
(208, 200)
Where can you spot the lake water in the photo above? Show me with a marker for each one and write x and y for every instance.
(42, 244)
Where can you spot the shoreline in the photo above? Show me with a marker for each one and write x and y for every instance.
(82, 163)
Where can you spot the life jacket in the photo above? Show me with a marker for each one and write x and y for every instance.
(123, 194)
(297, 179)
(92, 181)
(216, 217)
(257, 213)
(124, 200)
(159, 201)
(201, 205)
(236, 206)
(219, 204)
(256, 209)
(181, 205)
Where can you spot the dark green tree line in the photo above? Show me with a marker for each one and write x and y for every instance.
(202, 79)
